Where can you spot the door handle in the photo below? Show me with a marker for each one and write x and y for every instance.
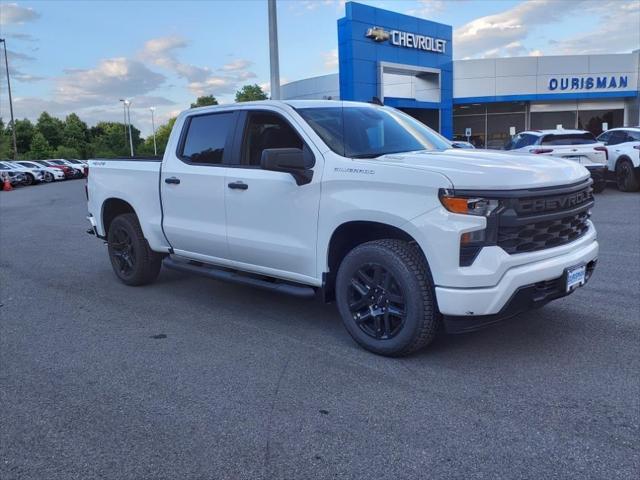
(173, 180)
(238, 185)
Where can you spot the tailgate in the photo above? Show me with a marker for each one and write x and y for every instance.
(584, 154)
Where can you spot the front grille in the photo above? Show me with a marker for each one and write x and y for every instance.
(544, 219)
(543, 234)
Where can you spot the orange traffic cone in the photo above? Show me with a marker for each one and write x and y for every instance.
(6, 185)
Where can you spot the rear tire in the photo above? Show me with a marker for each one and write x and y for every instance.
(133, 262)
(626, 177)
(386, 298)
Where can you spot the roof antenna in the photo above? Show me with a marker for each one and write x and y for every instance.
(376, 101)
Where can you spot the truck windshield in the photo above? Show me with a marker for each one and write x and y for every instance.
(370, 131)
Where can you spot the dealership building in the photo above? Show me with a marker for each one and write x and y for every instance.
(407, 62)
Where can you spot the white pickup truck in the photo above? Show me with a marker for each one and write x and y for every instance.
(360, 203)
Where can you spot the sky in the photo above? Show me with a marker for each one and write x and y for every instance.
(83, 56)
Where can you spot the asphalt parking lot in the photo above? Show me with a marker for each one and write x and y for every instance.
(193, 378)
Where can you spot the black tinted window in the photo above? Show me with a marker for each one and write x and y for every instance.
(267, 130)
(568, 139)
(604, 138)
(618, 136)
(206, 137)
(633, 136)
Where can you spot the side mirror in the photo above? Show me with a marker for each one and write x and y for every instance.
(298, 163)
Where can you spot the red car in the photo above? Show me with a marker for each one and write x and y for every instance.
(68, 171)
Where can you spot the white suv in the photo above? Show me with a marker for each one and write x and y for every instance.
(623, 145)
(577, 145)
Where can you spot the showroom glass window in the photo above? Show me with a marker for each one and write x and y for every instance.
(205, 138)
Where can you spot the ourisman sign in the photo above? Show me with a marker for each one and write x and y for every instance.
(408, 40)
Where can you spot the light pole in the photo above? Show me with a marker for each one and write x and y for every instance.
(273, 51)
(124, 111)
(127, 104)
(153, 127)
(13, 123)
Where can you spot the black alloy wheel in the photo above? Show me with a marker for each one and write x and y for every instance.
(376, 302)
(625, 176)
(386, 297)
(122, 251)
(28, 179)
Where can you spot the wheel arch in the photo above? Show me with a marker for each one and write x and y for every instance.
(111, 208)
(350, 234)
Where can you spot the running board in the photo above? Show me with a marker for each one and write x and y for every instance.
(198, 268)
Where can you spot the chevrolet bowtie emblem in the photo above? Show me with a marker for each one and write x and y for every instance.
(377, 34)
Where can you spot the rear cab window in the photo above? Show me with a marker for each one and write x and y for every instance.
(206, 138)
(568, 139)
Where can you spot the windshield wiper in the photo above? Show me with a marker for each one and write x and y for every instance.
(367, 155)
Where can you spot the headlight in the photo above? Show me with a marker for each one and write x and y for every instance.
(482, 207)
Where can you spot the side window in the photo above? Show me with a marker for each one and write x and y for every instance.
(206, 137)
(633, 136)
(618, 136)
(605, 137)
(525, 140)
(266, 130)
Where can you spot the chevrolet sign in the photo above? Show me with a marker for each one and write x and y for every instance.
(408, 40)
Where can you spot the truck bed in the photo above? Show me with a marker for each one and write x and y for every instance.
(132, 180)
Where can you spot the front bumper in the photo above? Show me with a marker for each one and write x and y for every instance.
(525, 298)
(482, 301)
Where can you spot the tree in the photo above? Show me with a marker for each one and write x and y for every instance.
(204, 101)
(24, 135)
(66, 152)
(40, 148)
(162, 138)
(249, 93)
(51, 128)
(75, 135)
(6, 147)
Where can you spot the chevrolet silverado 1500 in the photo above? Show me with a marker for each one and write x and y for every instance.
(359, 203)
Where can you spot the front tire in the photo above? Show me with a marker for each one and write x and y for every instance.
(626, 176)
(386, 298)
(29, 179)
(133, 262)
(48, 177)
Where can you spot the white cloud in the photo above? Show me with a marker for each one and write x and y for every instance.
(109, 81)
(618, 31)
(427, 9)
(236, 65)
(507, 33)
(330, 59)
(163, 52)
(12, 13)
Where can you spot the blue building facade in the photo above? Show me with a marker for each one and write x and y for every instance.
(407, 63)
(403, 42)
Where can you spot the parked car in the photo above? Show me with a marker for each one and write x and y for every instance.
(577, 145)
(15, 178)
(50, 173)
(622, 146)
(404, 232)
(78, 170)
(31, 175)
(67, 170)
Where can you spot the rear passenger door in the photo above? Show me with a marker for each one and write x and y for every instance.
(193, 188)
(271, 221)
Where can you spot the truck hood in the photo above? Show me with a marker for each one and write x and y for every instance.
(491, 169)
